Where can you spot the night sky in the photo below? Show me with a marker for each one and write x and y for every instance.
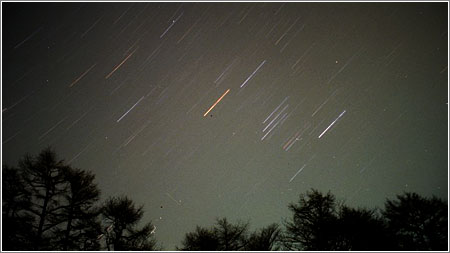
(346, 97)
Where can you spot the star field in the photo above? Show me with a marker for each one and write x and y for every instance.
(204, 110)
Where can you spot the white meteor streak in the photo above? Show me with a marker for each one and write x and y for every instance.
(332, 123)
(254, 72)
(125, 114)
(44, 134)
(304, 165)
(173, 23)
(172, 198)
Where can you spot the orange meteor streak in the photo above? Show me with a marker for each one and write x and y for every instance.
(218, 100)
(79, 78)
(118, 66)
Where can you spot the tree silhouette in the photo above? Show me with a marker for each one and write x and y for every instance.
(409, 223)
(202, 239)
(78, 211)
(361, 229)
(314, 223)
(48, 205)
(265, 239)
(231, 237)
(123, 233)
(44, 179)
(16, 223)
(223, 236)
(418, 223)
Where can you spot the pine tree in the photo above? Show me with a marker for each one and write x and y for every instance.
(43, 177)
(78, 211)
(123, 233)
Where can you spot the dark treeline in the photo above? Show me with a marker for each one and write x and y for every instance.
(48, 205)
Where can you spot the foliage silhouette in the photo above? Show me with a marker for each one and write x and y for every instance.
(314, 224)
(16, 223)
(223, 236)
(266, 239)
(201, 239)
(231, 237)
(362, 230)
(411, 223)
(123, 233)
(48, 205)
(78, 211)
(418, 223)
(43, 177)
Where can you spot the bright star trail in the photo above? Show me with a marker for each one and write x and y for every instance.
(300, 170)
(125, 114)
(119, 65)
(231, 109)
(218, 100)
(82, 75)
(332, 123)
(254, 72)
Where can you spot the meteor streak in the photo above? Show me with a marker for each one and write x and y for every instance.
(300, 170)
(218, 100)
(332, 123)
(79, 78)
(254, 72)
(172, 198)
(173, 23)
(44, 134)
(118, 66)
(125, 114)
